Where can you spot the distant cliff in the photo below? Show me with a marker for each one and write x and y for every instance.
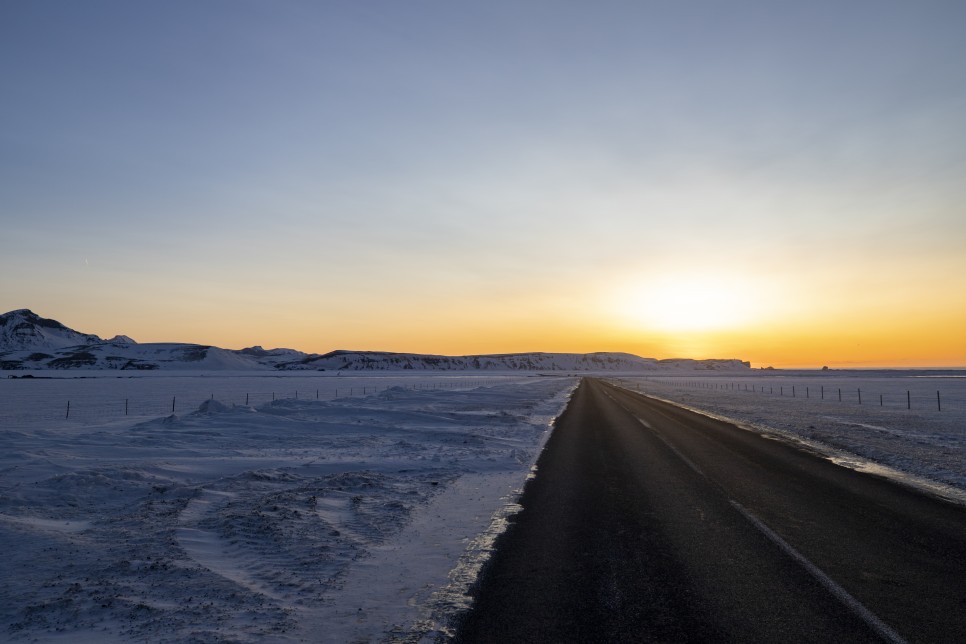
(539, 361)
(28, 341)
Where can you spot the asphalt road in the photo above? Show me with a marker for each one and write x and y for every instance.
(647, 522)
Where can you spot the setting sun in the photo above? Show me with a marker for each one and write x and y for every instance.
(529, 195)
(690, 303)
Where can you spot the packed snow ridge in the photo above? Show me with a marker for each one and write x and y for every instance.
(30, 342)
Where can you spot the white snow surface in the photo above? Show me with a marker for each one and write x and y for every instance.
(888, 423)
(359, 518)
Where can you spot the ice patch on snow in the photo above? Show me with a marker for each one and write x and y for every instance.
(53, 525)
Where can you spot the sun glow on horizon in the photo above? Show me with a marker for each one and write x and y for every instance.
(690, 303)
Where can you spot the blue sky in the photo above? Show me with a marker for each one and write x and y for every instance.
(475, 168)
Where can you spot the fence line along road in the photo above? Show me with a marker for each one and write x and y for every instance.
(922, 401)
(94, 406)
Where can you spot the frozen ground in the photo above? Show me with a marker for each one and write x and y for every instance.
(360, 518)
(96, 397)
(899, 429)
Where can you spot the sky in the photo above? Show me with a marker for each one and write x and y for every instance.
(780, 182)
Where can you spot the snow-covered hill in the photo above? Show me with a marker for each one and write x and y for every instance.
(28, 341)
(25, 330)
(385, 361)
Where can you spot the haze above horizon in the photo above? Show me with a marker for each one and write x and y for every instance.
(776, 182)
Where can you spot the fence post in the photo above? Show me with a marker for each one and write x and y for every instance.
(840, 394)
(246, 400)
(880, 400)
(68, 410)
(908, 400)
(125, 406)
(939, 404)
(823, 392)
(793, 391)
(860, 396)
(172, 403)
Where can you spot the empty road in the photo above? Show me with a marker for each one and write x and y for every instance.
(647, 522)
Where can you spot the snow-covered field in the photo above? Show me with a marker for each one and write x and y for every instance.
(349, 508)
(900, 429)
(358, 517)
(96, 397)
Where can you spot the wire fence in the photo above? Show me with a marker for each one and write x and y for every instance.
(24, 403)
(886, 393)
(93, 400)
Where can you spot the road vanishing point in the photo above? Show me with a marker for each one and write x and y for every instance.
(647, 522)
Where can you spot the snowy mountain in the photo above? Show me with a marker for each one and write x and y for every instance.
(28, 341)
(25, 330)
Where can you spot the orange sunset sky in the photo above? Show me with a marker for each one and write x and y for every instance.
(782, 183)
